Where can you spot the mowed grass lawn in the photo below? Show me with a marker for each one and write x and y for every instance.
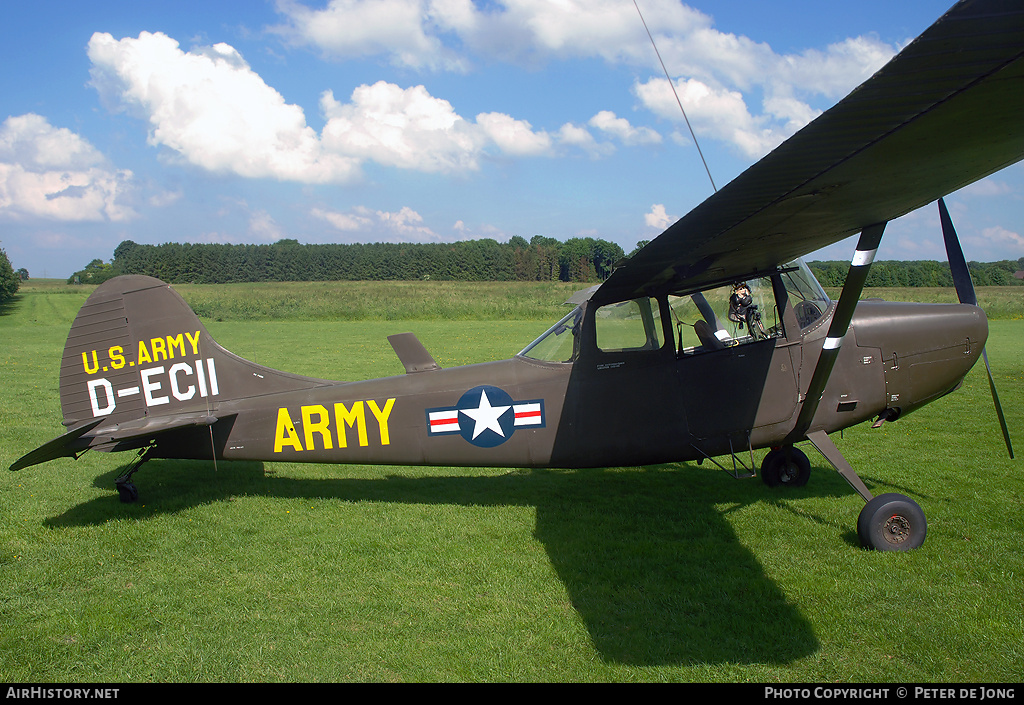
(288, 572)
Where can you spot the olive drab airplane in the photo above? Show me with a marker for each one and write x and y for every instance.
(712, 341)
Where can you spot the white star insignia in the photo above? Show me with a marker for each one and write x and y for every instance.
(486, 416)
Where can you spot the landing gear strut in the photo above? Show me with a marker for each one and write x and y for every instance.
(888, 522)
(125, 487)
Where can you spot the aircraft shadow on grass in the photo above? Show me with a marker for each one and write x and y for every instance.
(628, 564)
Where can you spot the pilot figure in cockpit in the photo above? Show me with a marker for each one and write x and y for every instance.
(739, 303)
(743, 310)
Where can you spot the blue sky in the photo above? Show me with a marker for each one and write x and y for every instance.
(423, 120)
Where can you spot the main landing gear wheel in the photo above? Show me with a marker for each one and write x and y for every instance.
(787, 467)
(892, 522)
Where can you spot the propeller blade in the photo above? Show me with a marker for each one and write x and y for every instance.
(999, 409)
(966, 294)
(957, 263)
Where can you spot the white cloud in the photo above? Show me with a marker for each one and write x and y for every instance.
(403, 29)
(263, 227)
(410, 129)
(440, 34)
(165, 198)
(580, 137)
(212, 109)
(998, 238)
(716, 112)
(405, 225)
(836, 70)
(990, 186)
(609, 122)
(52, 173)
(658, 218)
(218, 237)
(514, 137)
(214, 112)
(208, 108)
(347, 222)
(743, 93)
(404, 128)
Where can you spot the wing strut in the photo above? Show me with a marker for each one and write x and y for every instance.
(867, 246)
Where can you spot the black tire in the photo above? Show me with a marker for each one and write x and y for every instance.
(128, 492)
(892, 522)
(785, 467)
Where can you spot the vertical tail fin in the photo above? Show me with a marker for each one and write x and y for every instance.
(136, 349)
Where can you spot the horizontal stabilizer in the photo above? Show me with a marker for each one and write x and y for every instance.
(151, 426)
(88, 436)
(61, 447)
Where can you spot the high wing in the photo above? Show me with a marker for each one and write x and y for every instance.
(946, 111)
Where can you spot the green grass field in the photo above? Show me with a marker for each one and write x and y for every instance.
(286, 572)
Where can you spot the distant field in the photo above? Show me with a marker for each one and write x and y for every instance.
(432, 300)
(361, 301)
(253, 572)
(999, 302)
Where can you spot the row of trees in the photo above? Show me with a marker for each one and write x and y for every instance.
(919, 273)
(540, 259)
(9, 280)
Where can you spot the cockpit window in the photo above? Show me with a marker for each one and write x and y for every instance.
(558, 344)
(725, 316)
(624, 326)
(809, 300)
(733, 314)
(629, 325)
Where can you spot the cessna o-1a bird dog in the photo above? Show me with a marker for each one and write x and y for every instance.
(667, 360)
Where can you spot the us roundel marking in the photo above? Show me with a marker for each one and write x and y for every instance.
(485, 416)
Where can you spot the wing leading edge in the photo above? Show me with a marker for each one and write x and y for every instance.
(946, 111)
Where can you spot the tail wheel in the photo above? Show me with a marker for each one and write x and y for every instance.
(787, 467)
(128, 492)
(892, 522)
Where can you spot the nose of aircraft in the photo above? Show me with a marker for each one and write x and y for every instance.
(926, 349)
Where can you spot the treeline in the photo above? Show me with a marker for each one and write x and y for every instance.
(540, 259)
(894, 273)
(9, 280)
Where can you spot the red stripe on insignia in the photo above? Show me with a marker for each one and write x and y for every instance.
(529, 414)
(444, 421)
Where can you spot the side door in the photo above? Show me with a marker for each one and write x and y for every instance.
(623, 401)
(745, 376)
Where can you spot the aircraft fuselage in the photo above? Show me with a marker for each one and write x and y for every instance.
(604, 408)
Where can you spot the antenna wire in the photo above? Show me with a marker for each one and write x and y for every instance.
(679, 102)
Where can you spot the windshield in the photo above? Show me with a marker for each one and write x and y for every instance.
(558, 344)
(809, 300)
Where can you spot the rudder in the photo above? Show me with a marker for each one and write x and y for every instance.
(137, 349)
(109, 359)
